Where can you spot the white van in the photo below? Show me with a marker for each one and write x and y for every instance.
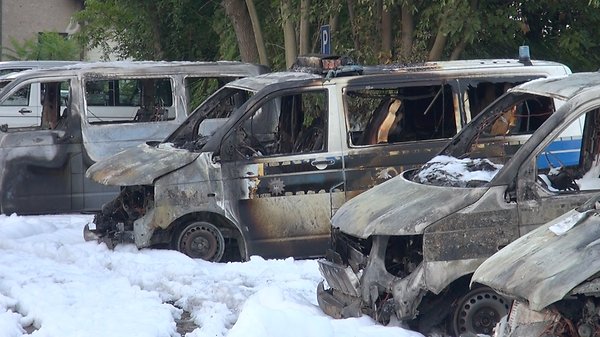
(27, 101)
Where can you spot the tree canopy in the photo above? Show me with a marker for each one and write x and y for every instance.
(274, 32)
(46, 46)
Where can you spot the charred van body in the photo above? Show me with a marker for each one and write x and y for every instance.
(264, 163)
(552, 273)
(406, 249)
(57, 122)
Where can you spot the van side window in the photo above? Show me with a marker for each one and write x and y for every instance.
(289, 124)
(129, 100)
(19, 98)
(385, 116)
(570, 162)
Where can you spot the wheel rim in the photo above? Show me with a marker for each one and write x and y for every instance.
(202, 240)
(479, 311)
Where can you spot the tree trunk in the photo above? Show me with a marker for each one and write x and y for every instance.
(240, 19)
(460, 47)
(386, 36)
(289, 33)
(260, 43)
(152, 15)
(407, 30)
(304, 27)
(435, 54)
(354, 25)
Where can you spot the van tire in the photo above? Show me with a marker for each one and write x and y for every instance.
(478, 312)
(200, 240)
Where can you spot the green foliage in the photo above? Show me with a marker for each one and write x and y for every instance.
(47, 46)
(555, 30)
(564, 31)
(151, 30)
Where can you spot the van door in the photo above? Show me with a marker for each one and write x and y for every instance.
(38, 163)
(283, 169)
(120, 112)
(22, 108)
(394, 128)
(564, 174)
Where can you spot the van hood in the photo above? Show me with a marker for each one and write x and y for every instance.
(545, 265)
(401, 207)
(140, 165)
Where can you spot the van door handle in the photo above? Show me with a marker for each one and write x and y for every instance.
(322, 163)
(24, 111)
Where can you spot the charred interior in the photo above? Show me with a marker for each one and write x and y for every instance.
(348, 250)
(117, 217)
(577, 316)
(403, 254)
(400, 115)
(195, 131)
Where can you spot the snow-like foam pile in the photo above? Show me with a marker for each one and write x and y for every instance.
(450, 171)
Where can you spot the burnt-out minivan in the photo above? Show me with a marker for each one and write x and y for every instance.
(263, 175)
(552, 274)
(56, 122)
(406, 249)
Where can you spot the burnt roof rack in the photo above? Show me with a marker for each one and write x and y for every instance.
(329, 65)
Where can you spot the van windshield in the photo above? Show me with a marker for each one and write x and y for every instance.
(208, 118)
(488, 142)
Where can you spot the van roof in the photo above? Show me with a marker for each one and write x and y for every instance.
(465, 68)
(562, 88)
(34, 64)
(463, 64)
(216, 69)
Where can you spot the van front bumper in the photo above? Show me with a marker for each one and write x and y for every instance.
(342, 299)
(371, 290)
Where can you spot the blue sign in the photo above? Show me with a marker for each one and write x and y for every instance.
(325, 40)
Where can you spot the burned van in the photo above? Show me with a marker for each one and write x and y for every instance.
(263, 175)
(552, 273)
(56, 122)
(406, 249)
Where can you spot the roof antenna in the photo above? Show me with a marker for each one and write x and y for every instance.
(524, 56)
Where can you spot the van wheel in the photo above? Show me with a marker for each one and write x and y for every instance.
(200, 240)
(478, 312)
